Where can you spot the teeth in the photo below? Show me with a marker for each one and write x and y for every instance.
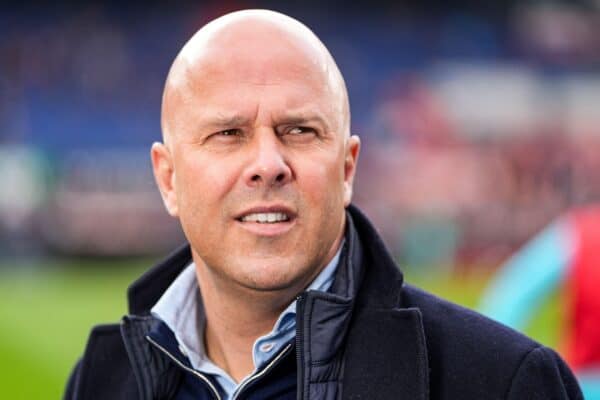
(263, 218)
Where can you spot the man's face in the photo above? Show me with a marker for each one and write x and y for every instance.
(261, 169)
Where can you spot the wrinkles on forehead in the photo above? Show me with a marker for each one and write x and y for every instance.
(254, 46)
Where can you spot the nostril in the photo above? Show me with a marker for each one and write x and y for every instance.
(268, 177)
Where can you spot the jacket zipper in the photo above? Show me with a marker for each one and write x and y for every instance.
(244, 384)
(256, 376)
(185, 367)
(299, 341)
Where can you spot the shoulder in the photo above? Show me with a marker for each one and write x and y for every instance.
(446, 322)
(104, 370)
(476, 355)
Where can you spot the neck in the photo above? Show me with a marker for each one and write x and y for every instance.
(237, 316)
(235, 319)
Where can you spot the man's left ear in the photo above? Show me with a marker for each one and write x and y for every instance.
(352, 151)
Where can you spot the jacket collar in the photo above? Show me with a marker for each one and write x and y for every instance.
(366, 268)
(385, 347)
(147, 290)
(358, 333)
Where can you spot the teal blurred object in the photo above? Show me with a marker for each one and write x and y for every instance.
(26, 177)
(429, 241)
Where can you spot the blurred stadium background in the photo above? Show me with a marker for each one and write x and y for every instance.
(480, 123)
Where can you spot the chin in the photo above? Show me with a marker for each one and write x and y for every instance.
(268, 279)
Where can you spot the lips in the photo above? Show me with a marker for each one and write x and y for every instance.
(266, 214)
(265, 217)
(267, 220)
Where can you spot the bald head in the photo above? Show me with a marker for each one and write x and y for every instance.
(255, 122)
(253, 46)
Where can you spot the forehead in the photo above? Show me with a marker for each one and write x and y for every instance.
(246, 67)
(241, 83)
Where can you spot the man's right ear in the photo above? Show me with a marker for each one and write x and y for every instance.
(164, 174)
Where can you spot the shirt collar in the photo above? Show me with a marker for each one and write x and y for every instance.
(180, 308)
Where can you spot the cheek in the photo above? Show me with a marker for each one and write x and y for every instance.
(202, 184)
(322, 181)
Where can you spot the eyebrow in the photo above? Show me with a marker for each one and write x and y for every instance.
(304, 117)
(226, 121)
(223, 121)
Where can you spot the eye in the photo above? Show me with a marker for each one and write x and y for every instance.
(300, 130)
(226, 136)
(229, 132)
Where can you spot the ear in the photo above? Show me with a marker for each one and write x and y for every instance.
(351, 158)
(164, 174)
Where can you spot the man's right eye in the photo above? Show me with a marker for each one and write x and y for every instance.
(225, 137)
(229, 132)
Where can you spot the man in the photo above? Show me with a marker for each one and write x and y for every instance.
(285, 290)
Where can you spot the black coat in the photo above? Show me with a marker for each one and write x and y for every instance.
(371, 337)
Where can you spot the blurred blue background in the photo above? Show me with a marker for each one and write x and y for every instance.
(479, 122)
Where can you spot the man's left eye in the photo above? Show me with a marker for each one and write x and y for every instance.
(299, 130)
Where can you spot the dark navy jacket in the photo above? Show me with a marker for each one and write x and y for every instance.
(371, 337)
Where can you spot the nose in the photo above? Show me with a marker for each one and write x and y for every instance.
(268, 166)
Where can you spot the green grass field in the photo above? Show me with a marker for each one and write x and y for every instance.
(47, 310)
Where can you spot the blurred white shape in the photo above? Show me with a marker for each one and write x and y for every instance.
(490, 99)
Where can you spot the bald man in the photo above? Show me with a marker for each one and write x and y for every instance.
(285, 290)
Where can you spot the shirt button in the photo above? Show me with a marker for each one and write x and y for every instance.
(266, 347)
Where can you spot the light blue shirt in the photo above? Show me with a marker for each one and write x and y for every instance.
(180, 308)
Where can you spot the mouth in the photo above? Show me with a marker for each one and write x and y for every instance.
(267, 221)
(265, 217)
